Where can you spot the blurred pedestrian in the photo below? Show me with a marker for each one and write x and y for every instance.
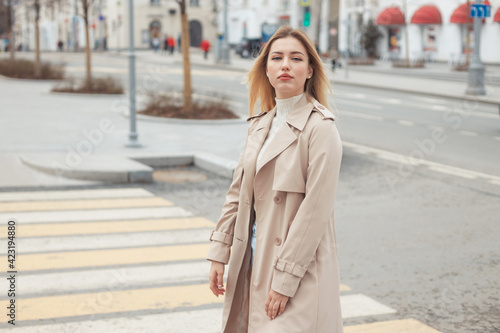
(277, 223)
(171, 44)
(165, 46)
(334, 55)
(179, 40)
(205, 46)
(156, 44)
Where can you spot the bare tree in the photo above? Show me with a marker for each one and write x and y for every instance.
(86, 4)
(186, 63)
(37, 6)
(10, 23)
(37, 67)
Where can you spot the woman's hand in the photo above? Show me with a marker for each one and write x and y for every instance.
(216, 277)
(275, 301)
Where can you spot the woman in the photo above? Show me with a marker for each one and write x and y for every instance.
(277, 222)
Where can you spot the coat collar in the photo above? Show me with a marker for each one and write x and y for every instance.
(298, 116)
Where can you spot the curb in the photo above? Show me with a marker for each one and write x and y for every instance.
(187, 121)
(215, 65)
(475, 98)
(138, 174)
(146, 165)
(220, 166)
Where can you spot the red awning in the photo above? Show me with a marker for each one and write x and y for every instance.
(497, 16)
(427, 15)
(391, 16)
(460, 15)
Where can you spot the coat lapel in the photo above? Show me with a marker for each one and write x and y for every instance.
(285, 135)
(256, 140)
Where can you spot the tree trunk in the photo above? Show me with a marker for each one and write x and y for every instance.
(88, 77)
(37, 67)
(11, 32)
(188, 102)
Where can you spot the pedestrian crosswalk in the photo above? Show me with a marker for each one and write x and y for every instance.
(125, 260)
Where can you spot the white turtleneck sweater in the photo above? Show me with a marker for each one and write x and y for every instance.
(283, 109)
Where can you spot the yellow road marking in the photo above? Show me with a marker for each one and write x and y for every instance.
(343, 287)
(394, 326)
(26, 206)
(113, 301)
(99, 258)
(108, 227)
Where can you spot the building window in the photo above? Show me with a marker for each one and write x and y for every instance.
(155, 2)
(194, 3)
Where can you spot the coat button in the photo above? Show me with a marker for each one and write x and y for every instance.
(277, 241)
(277, 199)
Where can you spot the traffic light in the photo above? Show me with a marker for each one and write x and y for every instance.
(307, 17)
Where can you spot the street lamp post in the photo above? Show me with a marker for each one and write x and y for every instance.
(132, 136)
(475, 77)
(224, 55)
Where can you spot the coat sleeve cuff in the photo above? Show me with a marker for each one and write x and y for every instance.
(287, 277)
(220, 249)
(221, 237)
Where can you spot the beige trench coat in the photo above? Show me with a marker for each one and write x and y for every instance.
(293, 194)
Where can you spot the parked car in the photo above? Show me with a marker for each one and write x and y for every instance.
(248, 48)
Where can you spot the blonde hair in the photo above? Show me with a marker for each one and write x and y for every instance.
(260, 87)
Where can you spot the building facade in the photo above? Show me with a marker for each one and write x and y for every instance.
(61, 21)
(437, 30)
(258, 19)
(158, 19)
(108, 23)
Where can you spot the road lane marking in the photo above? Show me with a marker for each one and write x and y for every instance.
(75, 194)
(439, 107)
(404, 159)
(156, 298)
(468, 133)
(359, 305)
(430, 100)
(83, 204)
(394, 326)
(97, 215)
(341, 101)
(430, 106)
(130, 277)
(193, 321)
(109, 227)
(166, 298)
(101, 258)
(360, 115)
(447, 170)
(406, 123)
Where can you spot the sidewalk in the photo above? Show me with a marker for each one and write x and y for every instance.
(75, 140)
